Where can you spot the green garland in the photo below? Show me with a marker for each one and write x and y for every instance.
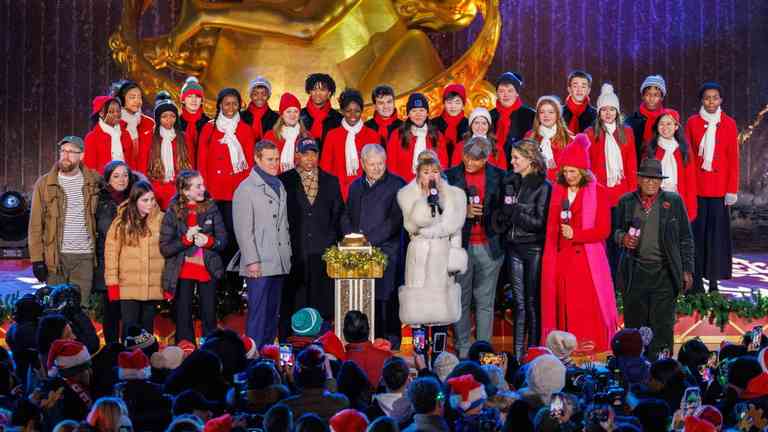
(354, 259)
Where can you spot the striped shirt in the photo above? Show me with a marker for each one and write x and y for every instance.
(77, 239)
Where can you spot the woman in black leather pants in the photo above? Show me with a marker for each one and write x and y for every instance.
(521, 219)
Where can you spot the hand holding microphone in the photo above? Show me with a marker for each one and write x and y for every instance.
(565, 219)
(632, 237)
(433, 198)
(510, 199)
(475, 207)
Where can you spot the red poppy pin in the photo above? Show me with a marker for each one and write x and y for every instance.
(666, 204)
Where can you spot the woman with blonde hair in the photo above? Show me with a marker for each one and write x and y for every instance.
(550, 131)
(287, 132)
(522, 219)
(107, 414)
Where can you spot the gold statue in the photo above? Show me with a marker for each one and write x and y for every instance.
(361, 43)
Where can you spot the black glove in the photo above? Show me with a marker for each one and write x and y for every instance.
(40, 270)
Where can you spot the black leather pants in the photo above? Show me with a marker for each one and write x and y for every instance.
(524, 269)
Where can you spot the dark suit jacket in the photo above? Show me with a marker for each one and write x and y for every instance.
(586, 120)
(522, 122)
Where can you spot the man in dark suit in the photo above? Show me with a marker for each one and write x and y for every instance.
(373, 211)
(314, 212)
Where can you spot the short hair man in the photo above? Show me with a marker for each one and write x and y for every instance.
(428, 402)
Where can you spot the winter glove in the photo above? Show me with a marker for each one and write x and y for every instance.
(731, 198)
(40, 270)
(113, 292)
(201, 240)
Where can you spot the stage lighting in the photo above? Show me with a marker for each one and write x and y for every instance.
(14, 220)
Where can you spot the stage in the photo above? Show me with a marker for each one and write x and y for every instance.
(750, 279)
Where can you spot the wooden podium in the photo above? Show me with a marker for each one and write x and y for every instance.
(354, 265)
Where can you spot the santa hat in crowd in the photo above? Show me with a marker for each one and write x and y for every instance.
(349, 420)
(219, 424)
(695, 424)
(456, 89)
(288, 100)
(191, 87)
(250, 347)
(466, 392)
(576, 154)
(554, 100)
(710, 414)
(535, 352)
(67, 358)
(271, 352)
(133, 365)
(169, 358)
(608, 98)
(561, 344)
(332, 346)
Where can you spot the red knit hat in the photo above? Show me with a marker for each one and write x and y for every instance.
(534, 352)
(332, 345)
(456, 88)
(710, 414)
(133, 365)
(466, 392)
(67, 358)
(219, 424)
(186, 346)
(349, 420)
(672, 113)
(250, 347)
(191, 87)
(287, 100)
(576, 154)
(271, 352)
(99, 102)
(695, 424)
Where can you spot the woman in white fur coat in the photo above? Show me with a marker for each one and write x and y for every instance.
(430, 295)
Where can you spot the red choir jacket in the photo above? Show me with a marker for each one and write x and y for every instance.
(214, 164)
(400, 161)
(333, 160)
(628, 157)
(724, 177)
(686, 181)
(98, 149)
(556, 150)
(164, 191)
(138, 155)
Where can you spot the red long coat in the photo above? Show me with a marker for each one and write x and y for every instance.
(98, 149)
(724, 177)
(137, 156)
(628, 158)
(686, 181)
(333, 160)
(164, 191)
(214, 164)
(557, 149)
(400, 160)
(569, 295)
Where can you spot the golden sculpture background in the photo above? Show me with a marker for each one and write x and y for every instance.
(361, 43)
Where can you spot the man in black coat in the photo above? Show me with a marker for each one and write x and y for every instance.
(511, 118)
(372, 210)
(651, 227)
(314, 211)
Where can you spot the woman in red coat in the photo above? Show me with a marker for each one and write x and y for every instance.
(287, 132)
(137, 128)
(670, 147)
(550, 132)
(577, 289)
(193, 118)
(412, 137)
(103, 143)
(168, 155)
(612, 153)
(342, 145)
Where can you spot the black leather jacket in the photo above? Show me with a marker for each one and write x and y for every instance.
(522, 213)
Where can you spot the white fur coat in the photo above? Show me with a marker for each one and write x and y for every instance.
(430, 294)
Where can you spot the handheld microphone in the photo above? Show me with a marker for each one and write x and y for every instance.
(565, 212)
(509, 195)
(634, 227)
(433, 199)
(474, 198)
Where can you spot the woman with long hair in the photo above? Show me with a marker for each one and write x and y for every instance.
(103, 143)
(414, 135)
(576, 288)
(550, 132)
(169, 150)
(480, 124)
(677, 163)
(136, 127)
(116, 184)
(133, 263)
(107, 415)
(522, 219)
(287, 132)
(191, 238)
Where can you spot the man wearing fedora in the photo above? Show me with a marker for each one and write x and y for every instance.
(651, 229)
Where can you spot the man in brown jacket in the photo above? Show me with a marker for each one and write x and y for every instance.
(62, 221)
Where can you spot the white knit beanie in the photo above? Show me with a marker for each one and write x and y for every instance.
(608, 98)
(480, 112)
(444, 364)
(546, 376)
(554, 99)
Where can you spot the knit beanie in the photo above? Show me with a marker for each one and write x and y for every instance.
(271, 352)
(535, 352)
(513, 78)
(710, 85)
(251, 351)
(455, 88)
(627, 343)
(67, 358)
(608, 98)
(710, 414)
(349, 420)
(654, 81)
(306, 322)
(417, 100)
(466, 392)
(545, 376)
(260, 81)
(169, 358)
(133, 365)
(554, 100)
(561, 344)
(444, 364)
(332, 345)
(164, 103)
(191, 87)
(480, 112)
(576, 153)
(288, 100)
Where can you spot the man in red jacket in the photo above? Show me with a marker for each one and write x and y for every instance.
(360, 350)
(713, 138)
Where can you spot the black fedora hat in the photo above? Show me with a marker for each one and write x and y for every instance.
(650, 168)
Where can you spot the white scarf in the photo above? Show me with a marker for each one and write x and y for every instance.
(350, 148)
(131, 122)
(546, 144)
(166, 152)
(228, 126)
(669, 164)
(707, 144)
(116, 147)
(421, 143)
(614, 165)
(289, 134)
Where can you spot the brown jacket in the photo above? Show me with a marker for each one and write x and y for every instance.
(46, 221)
(137, 269)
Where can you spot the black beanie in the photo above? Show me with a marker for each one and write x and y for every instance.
(417, 100)
(742, 370)
(163, 103)
(513, 78)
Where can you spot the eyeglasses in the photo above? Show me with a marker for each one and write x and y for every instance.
(69, 152)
